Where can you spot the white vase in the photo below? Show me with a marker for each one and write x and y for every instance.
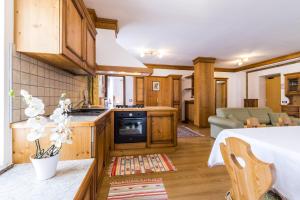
(45, 168)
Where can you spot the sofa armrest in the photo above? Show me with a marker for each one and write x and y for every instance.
(224, 122)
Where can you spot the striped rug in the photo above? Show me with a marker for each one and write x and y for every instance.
(148, 189)
(184, 131)
(140, 164)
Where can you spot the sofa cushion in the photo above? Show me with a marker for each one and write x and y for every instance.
(240, 114)
(262, 114)
(274, 117)
(236, 120)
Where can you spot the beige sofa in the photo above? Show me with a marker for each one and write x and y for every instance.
(230, 118)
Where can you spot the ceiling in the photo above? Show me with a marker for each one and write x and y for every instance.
(185, 29)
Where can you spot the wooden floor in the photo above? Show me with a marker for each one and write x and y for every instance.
(193, 179)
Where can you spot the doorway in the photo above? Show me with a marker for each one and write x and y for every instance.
(273, 93)
(116, 90)
(221, 92)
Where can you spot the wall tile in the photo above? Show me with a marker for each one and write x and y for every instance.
(16, 115)
(16, 76)
(25, 78)
(43, 81)
(25, 66)
(33, 79)
(16, 63)
(33, 69)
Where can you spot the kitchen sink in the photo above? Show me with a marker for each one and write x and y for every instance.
(87, 112)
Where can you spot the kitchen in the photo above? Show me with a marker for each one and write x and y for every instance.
(55, 54)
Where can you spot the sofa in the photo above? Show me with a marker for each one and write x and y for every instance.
(231, 118)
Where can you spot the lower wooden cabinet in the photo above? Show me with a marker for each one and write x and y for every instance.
(161, 128)
(87, 190)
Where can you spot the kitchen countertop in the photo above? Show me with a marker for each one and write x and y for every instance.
(20, 182)
(92, 120)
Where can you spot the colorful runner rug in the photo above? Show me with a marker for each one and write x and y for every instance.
(183, 131)
(140, 164)
(148, 189)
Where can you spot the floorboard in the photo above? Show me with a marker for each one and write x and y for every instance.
(193, 180)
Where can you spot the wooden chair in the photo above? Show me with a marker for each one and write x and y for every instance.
(253, 122)
(251, 178)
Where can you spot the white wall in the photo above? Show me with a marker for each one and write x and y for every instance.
(110, 53)
(256, 87)
(236, 88)
(129, 90)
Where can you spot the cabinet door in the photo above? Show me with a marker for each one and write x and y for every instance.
(107, 140)
(100, 131)
(161, 127)
(73, 31)
(90, 48)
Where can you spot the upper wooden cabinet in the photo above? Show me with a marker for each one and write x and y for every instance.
(292, 84)
(58, 32)
(90, 47)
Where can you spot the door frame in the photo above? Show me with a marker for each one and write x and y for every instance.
(124, 86)
(226, 89)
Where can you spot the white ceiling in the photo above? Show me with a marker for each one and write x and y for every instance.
(224, 29)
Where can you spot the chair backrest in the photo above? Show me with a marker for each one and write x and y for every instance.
(252, 122)
(250, 177)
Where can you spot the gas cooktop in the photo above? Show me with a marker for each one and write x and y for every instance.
(130, 106)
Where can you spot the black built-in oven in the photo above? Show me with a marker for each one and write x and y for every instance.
(130, 127)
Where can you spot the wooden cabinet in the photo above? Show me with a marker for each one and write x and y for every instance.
(292, 84)
(250, 103)
(90, 47)
(291, 110)
(176, 93)
(161, 128)
(88, 187)
(58, 32)
(189, 111)
(100, 149)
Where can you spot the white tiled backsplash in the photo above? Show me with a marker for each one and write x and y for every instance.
(43, 81)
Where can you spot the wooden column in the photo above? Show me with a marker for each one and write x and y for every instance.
(204, 90)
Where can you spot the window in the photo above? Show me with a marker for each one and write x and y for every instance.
(6, 35)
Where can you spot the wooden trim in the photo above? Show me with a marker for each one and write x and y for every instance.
(124, 86)
(176, 67)
(226, 90)
(204, 60)
(270, 61)
(104, 23)
(221, 69)
(123, 69)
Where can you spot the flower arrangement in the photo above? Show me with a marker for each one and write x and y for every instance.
(36, 122)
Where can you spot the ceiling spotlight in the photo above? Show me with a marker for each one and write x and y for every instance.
(245, 59)
(151, 52)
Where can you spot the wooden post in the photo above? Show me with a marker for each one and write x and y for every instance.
(204, 90)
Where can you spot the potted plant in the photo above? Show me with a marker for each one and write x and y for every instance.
(45, 160)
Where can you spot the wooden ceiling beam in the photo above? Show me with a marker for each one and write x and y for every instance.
(124, 69)
(104, 23)
(175, 67)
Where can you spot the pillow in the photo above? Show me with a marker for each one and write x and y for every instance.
(274, 117)
(233, 118)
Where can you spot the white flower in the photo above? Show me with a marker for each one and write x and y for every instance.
(61, 133)
(35, 107)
